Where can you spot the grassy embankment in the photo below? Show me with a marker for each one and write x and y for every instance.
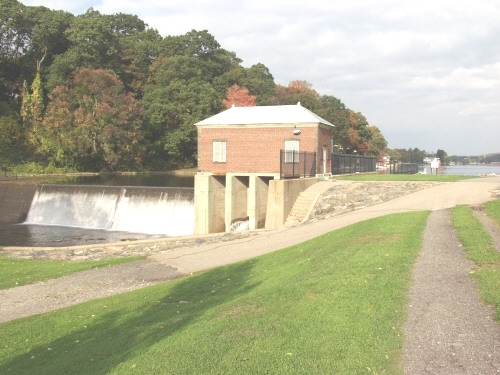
(479, 248)
(334, 304)
(17, 272)
(404, 177)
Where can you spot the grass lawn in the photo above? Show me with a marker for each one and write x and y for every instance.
(493, 210)
(404, 177)
(478, 246)
(18, 272)
(332, 305)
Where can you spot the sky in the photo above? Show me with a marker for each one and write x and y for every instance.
(426, 73)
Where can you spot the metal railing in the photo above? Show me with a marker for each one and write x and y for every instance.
(403, 168)
(295, 164)
(348, 163)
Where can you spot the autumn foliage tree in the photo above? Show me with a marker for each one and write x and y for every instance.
(297, 91)
(91, 119)
(32, 108)
(239, 97)
(92, 123)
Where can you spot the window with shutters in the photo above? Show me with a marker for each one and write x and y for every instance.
(292, 148)
(219, 151)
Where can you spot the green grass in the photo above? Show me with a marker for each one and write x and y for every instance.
(477, 242)
(404, 177)
(493, 210)
(489, 286)
(18, 272)
(332, 305)
(478, 246)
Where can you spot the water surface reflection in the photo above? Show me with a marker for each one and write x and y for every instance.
(141, 179)
(23, 235)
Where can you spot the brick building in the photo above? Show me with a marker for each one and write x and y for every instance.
(239, 161)
(249, 139)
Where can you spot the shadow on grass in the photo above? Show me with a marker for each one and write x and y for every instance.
(136, 321)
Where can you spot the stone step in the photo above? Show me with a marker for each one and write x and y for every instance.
(301, 209)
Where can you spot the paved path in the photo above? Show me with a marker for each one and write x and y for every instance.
(446, 195)
(449, 330)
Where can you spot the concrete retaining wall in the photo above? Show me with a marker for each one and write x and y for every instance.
(261, 199)
(15, 201)
(281, 198)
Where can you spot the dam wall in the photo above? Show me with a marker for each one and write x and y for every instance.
(15, 200)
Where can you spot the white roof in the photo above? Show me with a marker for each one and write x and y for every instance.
(273, 114)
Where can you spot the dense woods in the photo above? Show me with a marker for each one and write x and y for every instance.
(98, 92)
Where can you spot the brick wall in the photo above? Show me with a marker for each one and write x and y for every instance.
(324, 138)
(254, 149)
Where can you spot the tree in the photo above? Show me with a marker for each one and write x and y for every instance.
(353, 137)
(137, 52)
(238, 96)
(32, 109)
(394, 155)
(178, 79)
(13, 29)
(260, 82)
(333, 110)
(46, 34)
(442, 156)
(297, 91)
(410, 155)
(93, 123)
(213, 60)
(14, 43)
(11, 137)
(377, 143)
(93, 45)
(29, 37)
(177, 97)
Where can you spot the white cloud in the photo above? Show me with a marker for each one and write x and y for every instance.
(74, 7)
(412, 68)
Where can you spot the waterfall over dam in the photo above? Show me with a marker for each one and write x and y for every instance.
(151, 210)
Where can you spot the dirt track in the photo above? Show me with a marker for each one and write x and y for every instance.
(448, 330)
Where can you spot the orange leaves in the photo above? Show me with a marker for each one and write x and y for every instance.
(239, 96)
(300, 87)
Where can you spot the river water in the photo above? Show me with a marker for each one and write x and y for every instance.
(25, 235)
(141, 179)
(29, 235)
(471, 170)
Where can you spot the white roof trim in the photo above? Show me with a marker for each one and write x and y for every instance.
(274, 114)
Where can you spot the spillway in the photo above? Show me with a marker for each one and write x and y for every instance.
(152, 210)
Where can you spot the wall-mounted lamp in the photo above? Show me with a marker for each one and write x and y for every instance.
(296, 131)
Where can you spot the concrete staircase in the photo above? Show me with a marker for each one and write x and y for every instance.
(301, 209)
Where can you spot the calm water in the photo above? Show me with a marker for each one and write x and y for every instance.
(471, 170)
(58, 236)
(143, 179)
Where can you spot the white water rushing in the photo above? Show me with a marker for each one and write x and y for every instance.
(168, 211)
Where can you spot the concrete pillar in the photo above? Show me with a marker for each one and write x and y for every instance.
(252, 202)
(209, 204)
(236, 199)
(257, 208)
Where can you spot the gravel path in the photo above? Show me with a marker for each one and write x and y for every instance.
(449, 331)
(79, 287)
